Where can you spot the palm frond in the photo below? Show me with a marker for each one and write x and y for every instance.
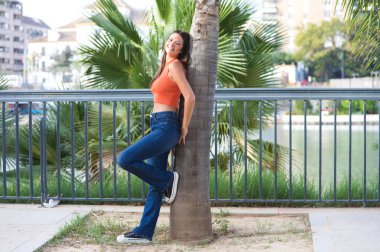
(164, 9)
(106, 66)
(164, 14)
(184, 12)
(234, 16)
(231, 62)
(258, 43)
(3, 82)
(109, 18)
(364, 18)
(114, 51)
(253, 148)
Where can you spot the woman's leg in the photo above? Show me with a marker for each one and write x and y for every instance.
(154, 144)
(155, 148)
(153, 202)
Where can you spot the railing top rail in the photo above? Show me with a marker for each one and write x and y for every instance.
(220, 94)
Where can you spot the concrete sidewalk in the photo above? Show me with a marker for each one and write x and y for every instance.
(26, 227)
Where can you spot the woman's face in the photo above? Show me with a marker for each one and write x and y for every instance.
(174, 45)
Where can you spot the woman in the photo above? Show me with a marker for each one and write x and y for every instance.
(170, 82)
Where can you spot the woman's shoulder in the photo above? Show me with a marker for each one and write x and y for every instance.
(176, 65)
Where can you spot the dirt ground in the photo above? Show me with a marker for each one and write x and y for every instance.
(230, 232)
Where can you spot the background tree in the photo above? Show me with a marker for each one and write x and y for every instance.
(62, 63)
(326, 50)
(283, 58)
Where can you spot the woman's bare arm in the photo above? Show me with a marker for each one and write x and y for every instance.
(178, 75)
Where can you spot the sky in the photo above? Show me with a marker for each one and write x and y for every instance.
(56, 13)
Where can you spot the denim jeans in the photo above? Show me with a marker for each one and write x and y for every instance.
(154, 148)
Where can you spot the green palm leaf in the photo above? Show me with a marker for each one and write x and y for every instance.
(234, 16)
(363, 17)
(108, 17)
(184, 12)
(231, 63)
(3, 82)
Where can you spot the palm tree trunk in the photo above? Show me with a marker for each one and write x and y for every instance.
(190, 214)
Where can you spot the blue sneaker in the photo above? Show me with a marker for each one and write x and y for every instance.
(131, 237)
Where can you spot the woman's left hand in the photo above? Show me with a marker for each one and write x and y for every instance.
(183, 135)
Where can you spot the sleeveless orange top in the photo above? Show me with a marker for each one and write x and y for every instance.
(165, 91)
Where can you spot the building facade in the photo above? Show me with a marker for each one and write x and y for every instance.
(16, 31)
(11, 38)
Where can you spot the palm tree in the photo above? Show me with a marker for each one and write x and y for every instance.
(9, 122)
(363, 17)
(190, 215)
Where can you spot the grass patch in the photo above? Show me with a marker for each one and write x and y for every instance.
(222, 222)
(72, 226)
(88, 229)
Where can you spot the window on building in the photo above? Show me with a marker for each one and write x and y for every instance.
(18, 62)
(17, 28)
(2, 13)
(4, 37)
(4, 26)
(18, 50)
(16, 16)
(15, 5)
(2, 48)
(43, 66)
(4, 60)
(43, 51)
(16, 39)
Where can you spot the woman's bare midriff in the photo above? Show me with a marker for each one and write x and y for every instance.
(158, 107)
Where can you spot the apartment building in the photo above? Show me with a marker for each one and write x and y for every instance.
(16, 31)
(295, 14)
(11, 37)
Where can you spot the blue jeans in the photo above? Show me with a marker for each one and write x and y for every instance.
(154, 148)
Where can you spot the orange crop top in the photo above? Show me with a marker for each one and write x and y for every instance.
(166, 91)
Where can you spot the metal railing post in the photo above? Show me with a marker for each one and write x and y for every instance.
(43, 160)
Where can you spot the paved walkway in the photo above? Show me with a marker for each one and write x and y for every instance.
(25, 227)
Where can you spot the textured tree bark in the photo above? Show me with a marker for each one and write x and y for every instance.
(190, 214)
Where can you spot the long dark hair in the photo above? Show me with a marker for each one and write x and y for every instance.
(184, 56)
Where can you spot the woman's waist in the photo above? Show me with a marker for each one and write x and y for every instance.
(158, 107)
